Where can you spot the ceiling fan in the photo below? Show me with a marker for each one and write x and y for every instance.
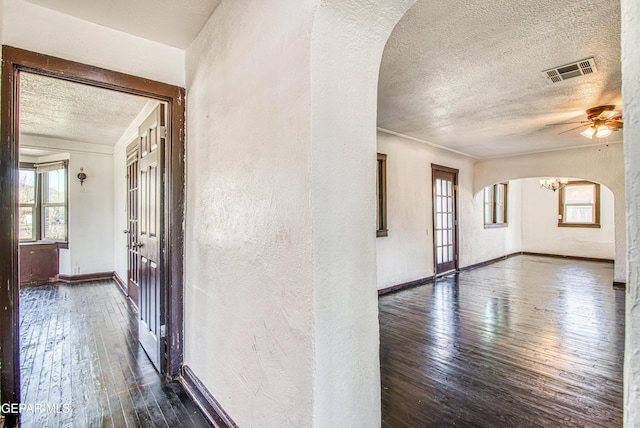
(601, 122)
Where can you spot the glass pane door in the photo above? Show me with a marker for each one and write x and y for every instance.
(444, 212)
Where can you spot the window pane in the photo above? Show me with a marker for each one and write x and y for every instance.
(487, 213)
(488, 194)
(579, 194)
(27, 189)
(499, 193)
(26, 230)
(54, 187)
(579, 214)
(55, 223)
(499, 214)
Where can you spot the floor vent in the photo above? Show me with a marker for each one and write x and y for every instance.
(568, 71)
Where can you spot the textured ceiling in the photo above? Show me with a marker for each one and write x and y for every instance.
(172, 22)
(71, 111)
(466, 74)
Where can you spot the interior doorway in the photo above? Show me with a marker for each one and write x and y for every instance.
(169, 239)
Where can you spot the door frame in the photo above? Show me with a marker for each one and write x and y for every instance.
(15, 60)
(455, 172)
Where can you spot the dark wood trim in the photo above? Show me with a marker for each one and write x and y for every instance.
(121, 284)
(14, 61)
(86, 277)
(381, 172)
(429, 279)
(201, 396)
(580, 225)
(596, 223)
(406, 285)
(488, 262)
(9, 316)
(445, 168)
(59, 244)
(560, 256)
(173, 233)
(619, 284)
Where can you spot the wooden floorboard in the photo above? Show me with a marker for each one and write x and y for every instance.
(79, 348)
(529, 341)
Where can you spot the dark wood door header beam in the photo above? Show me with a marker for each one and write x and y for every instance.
(93, 76)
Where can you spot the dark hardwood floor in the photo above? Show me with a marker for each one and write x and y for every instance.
(526, 342)
(79, 352)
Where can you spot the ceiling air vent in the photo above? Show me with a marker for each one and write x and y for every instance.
(575, 69)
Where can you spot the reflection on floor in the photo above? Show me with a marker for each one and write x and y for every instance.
(80, 357)
(529, 341)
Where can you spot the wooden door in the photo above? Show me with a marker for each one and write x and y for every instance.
(151, 306)
(132, 221)
(445, 220)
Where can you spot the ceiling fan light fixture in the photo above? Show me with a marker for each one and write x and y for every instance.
(603, 131)
(588, 132)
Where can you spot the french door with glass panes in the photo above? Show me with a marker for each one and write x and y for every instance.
(445, 219)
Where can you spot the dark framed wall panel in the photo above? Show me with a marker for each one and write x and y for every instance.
(14, 61)
(381, 172)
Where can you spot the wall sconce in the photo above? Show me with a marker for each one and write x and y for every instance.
(82, 176)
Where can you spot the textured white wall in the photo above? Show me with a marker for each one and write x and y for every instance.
(248, 270)
(280, 259)
(90, 206)
(120, 249)
(407, 253)
(630, 90)
(91, 214)
(348, 41)
(2, 21)
(35, 28)
(601, 164)
(541, 234)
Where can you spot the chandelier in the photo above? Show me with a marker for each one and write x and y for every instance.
(553, 183)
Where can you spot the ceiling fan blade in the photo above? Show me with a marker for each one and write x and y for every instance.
(569, 130)
(608, 115)
(617, 124)
(566, 123)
